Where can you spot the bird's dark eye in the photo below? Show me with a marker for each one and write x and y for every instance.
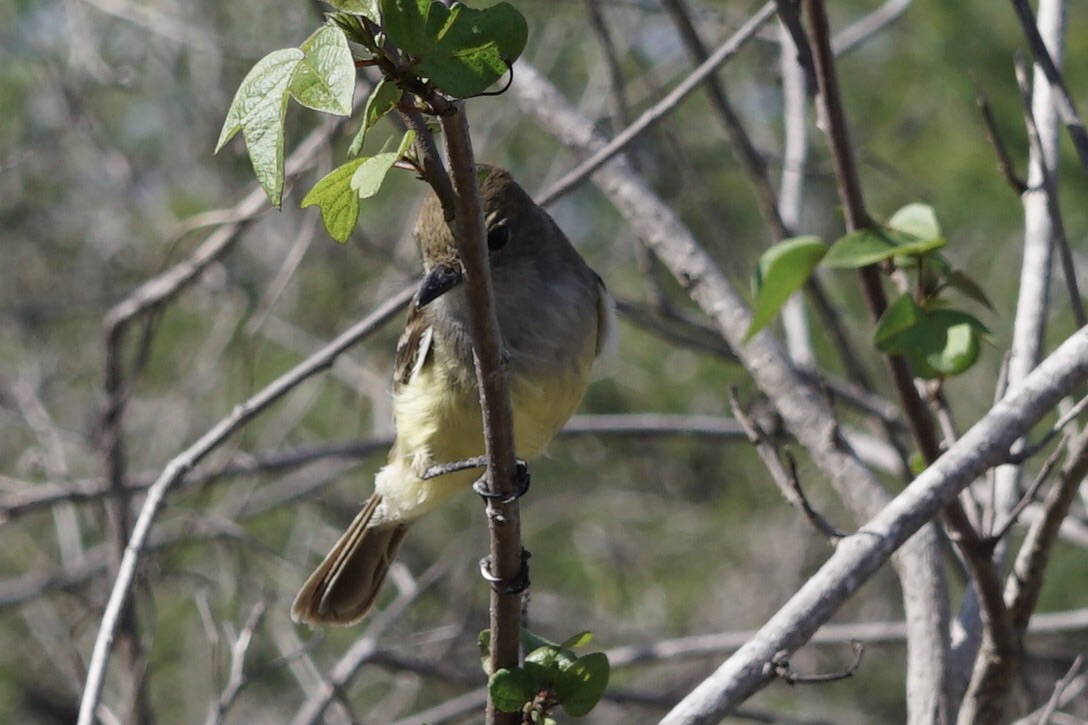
(497, 237)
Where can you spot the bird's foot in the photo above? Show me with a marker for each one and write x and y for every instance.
(521, 483)
(441, 469)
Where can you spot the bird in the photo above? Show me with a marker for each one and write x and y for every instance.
(555, 318)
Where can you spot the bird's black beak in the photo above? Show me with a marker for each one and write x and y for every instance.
(440, 280)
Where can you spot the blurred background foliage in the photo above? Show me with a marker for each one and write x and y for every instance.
(109, 110)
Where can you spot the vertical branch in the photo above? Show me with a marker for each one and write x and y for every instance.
(1025, 350)
(803, 409)
(790, 191)
(503, 512)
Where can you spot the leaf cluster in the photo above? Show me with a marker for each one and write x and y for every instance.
(428, 54)
(551, 676)
(937, 340)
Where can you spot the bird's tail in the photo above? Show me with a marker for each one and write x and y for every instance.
(343, 588)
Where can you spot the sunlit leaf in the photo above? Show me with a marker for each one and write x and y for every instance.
(258, 110)
(338, 201)
(860, 249)
(578, 640)
(782, 270)
(325, 79)
(510, 689)
(581, 684)
(938, 343)
(368, 177)
(382, 100)
(917, 220)
(476, 48)
(369, 8)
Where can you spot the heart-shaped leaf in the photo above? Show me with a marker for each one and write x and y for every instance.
(414, 25)
(475, 48)
(258, 110)
(325, 78)
(338, 201)
(370, 174)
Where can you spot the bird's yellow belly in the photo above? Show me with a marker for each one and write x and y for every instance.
(438, 420)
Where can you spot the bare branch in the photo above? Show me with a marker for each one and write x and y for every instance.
(859, 556)
(1048, 60)
(662, 108)
(801, 406)
(237, 679)
(786, 673)
(785, 478)
(184, 462)
(364, 649)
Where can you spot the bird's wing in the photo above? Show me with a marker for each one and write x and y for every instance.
(413, 347)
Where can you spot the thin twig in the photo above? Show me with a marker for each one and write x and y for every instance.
(1004, 161)
(1029, 496)
(364, 648)
(1063, 102)
(790, 676)
(184, 462)
(1060, 687)
(869, 25)
(662, 108)
(745, 152)
(237, 679)
(1047, 174)
(801, 405)
(785, 477)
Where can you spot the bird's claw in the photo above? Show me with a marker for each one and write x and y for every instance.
(521, 483)
(519, 582)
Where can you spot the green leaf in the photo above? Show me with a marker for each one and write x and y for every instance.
(908, 246)
(338, 201)
(369, 175)
(270, 73)
(916, 220)
(938, 343)
(581, 685)
(860, 249)
(475, 48)
(325, 79)
(550, 657)
(962, 282)
(510, 689)
(900, 316)
(413, 25)
(382, 100)
(529, 640)
(578, 640)
(258, 111)
(369, 8)
(782, 270)
(961, 344)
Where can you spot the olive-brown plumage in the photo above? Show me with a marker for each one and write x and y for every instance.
(554, 317)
